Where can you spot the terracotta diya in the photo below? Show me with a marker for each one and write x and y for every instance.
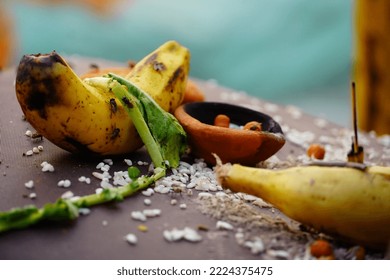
(232, 144)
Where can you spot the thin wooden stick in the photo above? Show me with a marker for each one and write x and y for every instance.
(354, 119)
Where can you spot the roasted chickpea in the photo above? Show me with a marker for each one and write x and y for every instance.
(254, 126)
(222, 121)
(321, 249)
(316, 151)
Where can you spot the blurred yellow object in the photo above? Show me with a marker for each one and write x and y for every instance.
(6, 38)
(372, 68)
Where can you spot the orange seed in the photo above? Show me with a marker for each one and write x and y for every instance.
(222, 121)
(321, 249)
(316, 151)
(254, 126)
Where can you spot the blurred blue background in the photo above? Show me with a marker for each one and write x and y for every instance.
(291, 52)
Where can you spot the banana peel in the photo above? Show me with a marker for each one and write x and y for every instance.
(349, 203)
(192, 91)
(82, 118)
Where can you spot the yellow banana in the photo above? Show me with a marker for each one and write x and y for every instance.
(79, 117)
(167, 70)
(347, 202)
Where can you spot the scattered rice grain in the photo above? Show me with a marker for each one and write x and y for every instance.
(105, 168)
(147, 201)
(67, 195)
(191, 235)
(187, 233)
(224, 225)
(67, 183)
(148, 192)
(240, 238)
(74, 198)
(151, 213)
(108, 161)
(98, 175)
(163, 190)
(64, 183)
(191, 185)
(256, 246)
(32, 195)
(105, 184)
(202, 195)
(280, 254)
(131, 238)
(173, 235)
(220, 194)
(84, 179)
(29, 184)
(47, 167)
(138, 215)
(183, 206)
(84, 211)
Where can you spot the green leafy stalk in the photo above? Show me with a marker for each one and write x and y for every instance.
(168, 134)
(65, 209)
(163, 136)
(118, 194)
(133, 107)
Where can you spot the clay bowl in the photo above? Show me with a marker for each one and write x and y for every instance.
(232, 145)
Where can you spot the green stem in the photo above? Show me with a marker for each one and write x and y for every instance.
(163, 126)
(27, 216)
(133, 108)
(120, 192)
(61, 210)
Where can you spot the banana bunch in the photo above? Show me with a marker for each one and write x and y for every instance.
(81, 117)
(350, 203)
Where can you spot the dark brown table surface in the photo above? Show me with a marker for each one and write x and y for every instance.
(88, 238)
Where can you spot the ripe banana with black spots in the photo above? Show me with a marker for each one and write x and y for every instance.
(350, 203)
(167, 75)
(80, 117)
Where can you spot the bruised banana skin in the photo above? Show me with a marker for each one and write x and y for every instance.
(81, 118)
(68, 112)
(171, 58)
(346, 202)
